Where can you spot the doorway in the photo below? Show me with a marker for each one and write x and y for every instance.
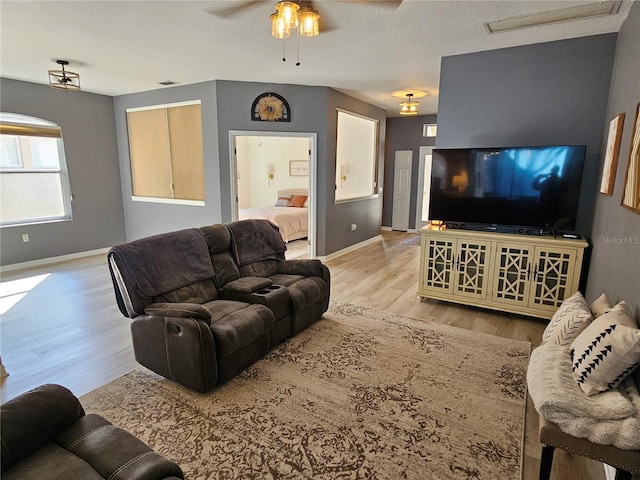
(401, 190)
(424, 187)
(266, 163)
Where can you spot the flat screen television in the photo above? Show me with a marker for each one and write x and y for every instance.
(530, 187)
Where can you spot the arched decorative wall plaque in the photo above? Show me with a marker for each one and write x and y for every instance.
(270, 107)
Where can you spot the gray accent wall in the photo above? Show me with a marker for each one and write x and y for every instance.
(615, 261)
(404, 133)
(551, 93)
(313, 110)
(89, 136)
(147, 218)
(365, 213)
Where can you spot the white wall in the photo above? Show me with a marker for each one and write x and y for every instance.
(254, 154)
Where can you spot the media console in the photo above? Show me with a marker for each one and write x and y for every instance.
(525, 274)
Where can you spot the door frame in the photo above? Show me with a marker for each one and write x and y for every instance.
(313, 186)
(424, 151)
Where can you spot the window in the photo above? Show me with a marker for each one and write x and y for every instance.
(356, 157)
(34, 184)
(429, 130)
(167, 161)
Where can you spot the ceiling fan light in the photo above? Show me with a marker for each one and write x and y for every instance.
(308, 22)
(289, 12)
(279, 28)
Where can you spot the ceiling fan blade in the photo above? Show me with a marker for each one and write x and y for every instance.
(236, 8)
(391, 4)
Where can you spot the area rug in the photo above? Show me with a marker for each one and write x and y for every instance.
(361, 394)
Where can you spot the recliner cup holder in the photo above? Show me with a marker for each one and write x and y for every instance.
(263, 292)
(273, 287)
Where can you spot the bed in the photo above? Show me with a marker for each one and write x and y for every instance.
(292, 221)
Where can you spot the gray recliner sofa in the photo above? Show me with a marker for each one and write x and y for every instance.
(207, 302)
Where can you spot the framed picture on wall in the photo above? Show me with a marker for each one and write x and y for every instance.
(299, 168)
(611, 155)
(631, 193)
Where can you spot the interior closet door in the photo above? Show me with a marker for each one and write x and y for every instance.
(402, 190)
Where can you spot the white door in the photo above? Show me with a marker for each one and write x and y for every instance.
(424, 187)
(401, 190)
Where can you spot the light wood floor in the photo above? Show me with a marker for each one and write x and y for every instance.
(68, 329)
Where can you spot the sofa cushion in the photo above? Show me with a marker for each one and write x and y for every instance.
(571, 318)
(307, 292)
(247, 284)
(240, 326)
(164, 262)
(606, 351)
(254, 240)
(53, 463)
(218, 240)
(199, 292)
(264, 268)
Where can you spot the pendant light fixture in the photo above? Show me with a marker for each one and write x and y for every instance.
(409, 107)
(64, 79)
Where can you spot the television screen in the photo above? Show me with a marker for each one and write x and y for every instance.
(518, 186)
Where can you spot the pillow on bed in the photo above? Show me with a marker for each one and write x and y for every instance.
(283, 200)
(306, 203)
(297, 201)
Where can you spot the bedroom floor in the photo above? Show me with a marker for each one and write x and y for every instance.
(297, 249)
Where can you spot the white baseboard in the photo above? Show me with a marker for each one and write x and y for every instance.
(50, 260)
(390, 229)
(350, 248)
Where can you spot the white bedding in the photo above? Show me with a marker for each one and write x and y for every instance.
(292, 221)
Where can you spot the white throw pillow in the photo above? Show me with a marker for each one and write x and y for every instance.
(600, 305)
(283, 200)
(571, 318)
(606, 351)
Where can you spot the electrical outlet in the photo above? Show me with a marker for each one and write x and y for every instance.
(25, 237)
(353, 227)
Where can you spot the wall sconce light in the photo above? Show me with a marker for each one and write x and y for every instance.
(271, 170)
(343, 173)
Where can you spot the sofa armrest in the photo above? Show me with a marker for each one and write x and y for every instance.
(179, 310)
(304, 266)
(32, 419)
(114, 452)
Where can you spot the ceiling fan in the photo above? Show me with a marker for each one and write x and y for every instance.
(325, 24)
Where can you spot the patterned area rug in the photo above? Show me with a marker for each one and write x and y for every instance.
(361, 394)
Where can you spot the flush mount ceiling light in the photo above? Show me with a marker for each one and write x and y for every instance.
(290, 17)
(409, 106)
(579, 12)
(64, 79)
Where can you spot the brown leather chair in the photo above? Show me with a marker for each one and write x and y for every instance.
(626, 462)
(46, 435)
